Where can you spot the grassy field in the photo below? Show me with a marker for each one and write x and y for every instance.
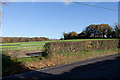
(35, 45)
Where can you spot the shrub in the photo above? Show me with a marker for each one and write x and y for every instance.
(79, 46)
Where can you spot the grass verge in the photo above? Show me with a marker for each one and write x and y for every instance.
(17, 65)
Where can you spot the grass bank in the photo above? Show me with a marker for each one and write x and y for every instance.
(18, 65)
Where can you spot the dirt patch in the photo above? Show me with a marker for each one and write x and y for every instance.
(22, 53)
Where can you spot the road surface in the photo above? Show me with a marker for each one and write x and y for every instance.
(100, 68)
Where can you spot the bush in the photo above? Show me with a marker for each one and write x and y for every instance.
(79, 46)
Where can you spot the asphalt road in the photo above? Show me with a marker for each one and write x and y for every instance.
(100, 68)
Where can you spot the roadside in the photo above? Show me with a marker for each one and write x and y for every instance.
(12, 66)
(106, 67)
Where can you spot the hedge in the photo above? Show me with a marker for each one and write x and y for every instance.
(79, 46)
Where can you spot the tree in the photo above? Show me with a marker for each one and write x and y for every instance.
(104, 28)
(113, 34)
(7, 39)
(97, 31)
(21, 39)
(109, 32)
(65, 35)
(36, 39)
(82, 34)
(73, 35)
(117, 32)
(91, 30)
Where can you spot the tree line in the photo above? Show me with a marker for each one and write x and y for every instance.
(95, 31)
(90, 32)
(22, 39)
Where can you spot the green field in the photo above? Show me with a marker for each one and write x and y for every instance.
(38, 45)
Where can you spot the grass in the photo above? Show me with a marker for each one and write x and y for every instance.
(33, 63)
(38, 45)
(10, 67)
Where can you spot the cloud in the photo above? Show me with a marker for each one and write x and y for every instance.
(93, 3)
(67, 2)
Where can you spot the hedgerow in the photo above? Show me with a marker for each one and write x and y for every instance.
(79, 46)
